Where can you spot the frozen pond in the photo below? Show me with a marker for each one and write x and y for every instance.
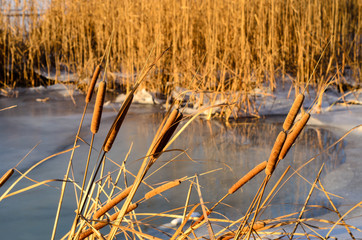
(232, 150)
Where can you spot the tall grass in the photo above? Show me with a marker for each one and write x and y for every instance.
(216, 45)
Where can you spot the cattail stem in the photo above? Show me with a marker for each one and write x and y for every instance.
(55, 226)
(256, 170)
(6, 176)
(147, 163)
(289, 120)
(93, 83)
(162, 188)
(275, 153)
(292, 136)
(112, 203)
(103, 224)
(98, 107)
(86, 170)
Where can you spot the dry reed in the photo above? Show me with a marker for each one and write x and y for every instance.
(231, 45)
(100, 225)
(98, 107)
(6, 176)
(162, 188)
(255, 171)
(275, 153)
(256, 226)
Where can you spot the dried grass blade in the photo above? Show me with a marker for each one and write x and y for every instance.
(32, 186)
(336, 210)
(307, 200)
(100, 225)
(31, 168)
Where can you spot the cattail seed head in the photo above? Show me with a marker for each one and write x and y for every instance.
(255, 171)
(6, 176)
(293, 112)
(162, 188)
(98, 107)
(93, 83)
(112, 133)
(292, 136)
(100, 225)
(279, 142)
(165, 133)
(112, 203)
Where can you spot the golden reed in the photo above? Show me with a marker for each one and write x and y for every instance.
(100, 225)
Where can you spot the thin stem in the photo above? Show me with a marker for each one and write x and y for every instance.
(67, 175)
(86, 169)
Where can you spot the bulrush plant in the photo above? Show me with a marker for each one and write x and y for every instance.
(120, 208)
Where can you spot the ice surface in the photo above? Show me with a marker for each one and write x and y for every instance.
(53, 123)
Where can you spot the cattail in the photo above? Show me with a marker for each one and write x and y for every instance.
(93, 83)
(112, 203)
(293, 135)
(275, 153)
(255, 171)
(112, 133)
(103, 224)
(165, 133)
(97, 113)
(293, 112)
(162, 188)
(172, 115)
(6, 176)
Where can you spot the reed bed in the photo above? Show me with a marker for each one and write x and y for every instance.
(218, 46)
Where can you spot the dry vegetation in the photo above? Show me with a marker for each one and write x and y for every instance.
(215, 46)
(219, 46)
(116, 205)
